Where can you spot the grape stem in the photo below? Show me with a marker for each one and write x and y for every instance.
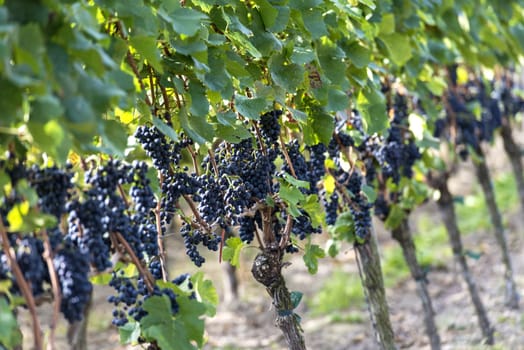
(287, 231)
(193, 208)
(194, 158)
(213, 163)
(132, 63)
(23, 285)
(259, 139)
(148, 279)
(160, 241)
(286, 155)
(57, 295)
(152, 87)
(166, 102)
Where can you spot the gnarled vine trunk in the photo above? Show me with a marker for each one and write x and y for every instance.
(370, 271)
(402, 234)
(267, 270)
(447, 209)
(484, 177)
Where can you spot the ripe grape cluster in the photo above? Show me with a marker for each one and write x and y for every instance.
(29, 255)
(133, 291)
(166, 155)
(72, 268)
(398, 153)
(94, 211)
(473, 113)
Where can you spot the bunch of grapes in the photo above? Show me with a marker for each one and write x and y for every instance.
(132, 292)
(469, 128)
(72, 268)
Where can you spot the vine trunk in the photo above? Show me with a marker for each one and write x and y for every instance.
(484, 177)
(402, 234)
(267, 270)
(370, 270)
(515, 157)
(447, 209)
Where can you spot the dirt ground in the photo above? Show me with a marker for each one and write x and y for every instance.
(249, 322)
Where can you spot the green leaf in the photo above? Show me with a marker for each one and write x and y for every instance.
(372, 107)
(129, 333)
(160, 326)
(187, 21)
(395, 217)
(167, 334)
(314, 23)
(370, 193)
(45, 108)
(299, 116)
(199, 102)
(304, 4)
(228, 118)
(472, 254)
(158, 312)
(398, 46)
(10, 103)
(387, 24)
(146, 46)
(250, 108)
(296, 182)
(323, 125)
(190, 316)
(126, 270)
(314, 209)
(206, 292)
(51, 138)
(333, 247)
(344, 228)
(165, 129)
(281, 20)
(302, 55)
(197, 128)
(296, 297)
(234, 133)
(243, 43)
(268, 13)
(101, 279)
(115, 137)
(330, 58)
(338, 100)
(288, 75)
(231, 251)
(312, 253)
(290, 194)
(358, 55)
(10, 335)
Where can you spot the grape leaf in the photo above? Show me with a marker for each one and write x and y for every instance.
(312, 253)
(231, 251)
(129, 333)
(207, 293)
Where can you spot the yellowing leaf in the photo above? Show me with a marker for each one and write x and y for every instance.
(462, 75)
(15, 217)
(126, 117)
(329, 184)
